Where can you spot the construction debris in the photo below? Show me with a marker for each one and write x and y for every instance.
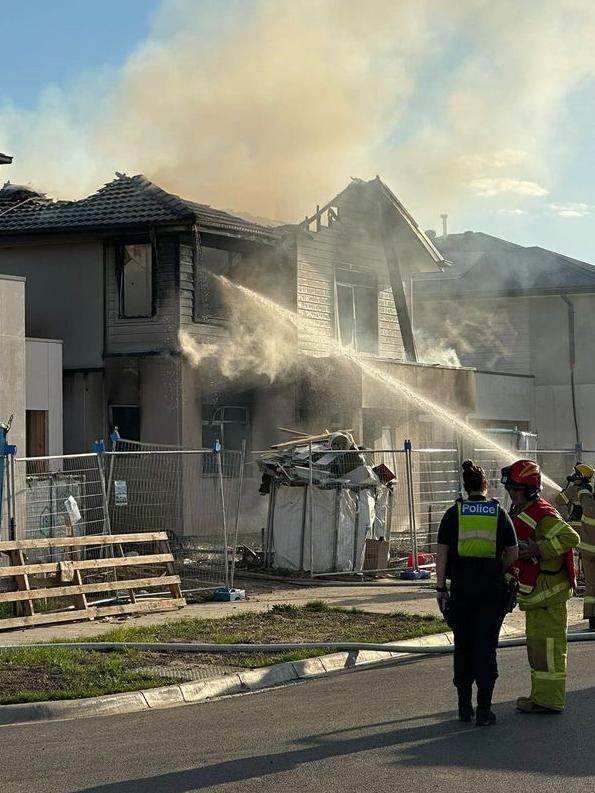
(323, 527)
(335, 460)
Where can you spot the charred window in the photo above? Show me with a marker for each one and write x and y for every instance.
(135, 266)
(126, 419)
(230, 425)
(209, 295)
(357, 310)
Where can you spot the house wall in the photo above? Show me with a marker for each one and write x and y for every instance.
(487, 334)
(505, 398)
(151, 334)
(84, 410)
(44, 387)
(530, 336)
(12, 357)
(352, 242)
(64, 296)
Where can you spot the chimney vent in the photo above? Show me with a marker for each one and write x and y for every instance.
(444, 225)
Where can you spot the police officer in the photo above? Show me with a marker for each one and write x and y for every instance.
(476, 543)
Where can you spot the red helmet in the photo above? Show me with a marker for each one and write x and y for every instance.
(522, 474)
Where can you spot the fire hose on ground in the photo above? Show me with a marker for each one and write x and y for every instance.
(195, 647)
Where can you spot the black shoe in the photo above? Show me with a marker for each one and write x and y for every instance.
(466, 713)
(485, 717)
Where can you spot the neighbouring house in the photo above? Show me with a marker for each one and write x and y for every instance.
(116, 276)
(524, 318)
(30, 371)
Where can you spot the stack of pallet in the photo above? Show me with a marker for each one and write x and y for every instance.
(43, 592)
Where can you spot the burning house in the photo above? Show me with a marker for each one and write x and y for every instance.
(122, 275)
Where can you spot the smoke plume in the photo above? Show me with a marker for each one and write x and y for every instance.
(253, 343)
(269, 106)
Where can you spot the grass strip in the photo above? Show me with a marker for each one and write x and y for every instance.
(29, 674)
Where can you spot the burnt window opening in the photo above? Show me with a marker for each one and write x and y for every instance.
(135, 280)
(210, 303)
(126, 418)
(230, 425)
(357, 310)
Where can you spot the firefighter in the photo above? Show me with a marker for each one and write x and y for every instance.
(476, 543)
(546, 575)
(577, 497)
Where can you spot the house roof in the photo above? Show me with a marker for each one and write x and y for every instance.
(124, 202)
(377, 187)
(482, 265)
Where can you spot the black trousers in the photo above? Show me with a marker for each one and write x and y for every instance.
(476, 623)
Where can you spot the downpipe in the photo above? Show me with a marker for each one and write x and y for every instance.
(195, 647)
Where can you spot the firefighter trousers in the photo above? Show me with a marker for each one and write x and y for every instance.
(547, 652)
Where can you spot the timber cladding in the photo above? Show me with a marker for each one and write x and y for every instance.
(44, 592)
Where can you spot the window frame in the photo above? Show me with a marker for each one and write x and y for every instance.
(356, 280)
(202, 276)
(120, 279)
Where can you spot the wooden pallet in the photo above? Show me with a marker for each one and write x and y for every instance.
(23, 596)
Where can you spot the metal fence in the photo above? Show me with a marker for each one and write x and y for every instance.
(194, 495)
(208, 502)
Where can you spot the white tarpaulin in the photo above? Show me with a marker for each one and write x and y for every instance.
(342, 521)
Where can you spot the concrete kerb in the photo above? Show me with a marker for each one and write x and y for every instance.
(201, 690)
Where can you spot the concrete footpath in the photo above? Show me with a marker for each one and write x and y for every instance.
(382, 598)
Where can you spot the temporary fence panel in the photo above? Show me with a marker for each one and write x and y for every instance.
(191, 494)
(436, 485)
(59, 496)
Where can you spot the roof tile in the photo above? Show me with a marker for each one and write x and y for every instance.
(125, 201)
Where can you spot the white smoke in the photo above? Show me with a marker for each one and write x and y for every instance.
(270, 106)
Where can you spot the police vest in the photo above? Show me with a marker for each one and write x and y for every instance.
(478, 529)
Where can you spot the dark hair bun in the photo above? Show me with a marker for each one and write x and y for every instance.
(468, 465)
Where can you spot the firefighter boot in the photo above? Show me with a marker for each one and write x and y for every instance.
(526, 705)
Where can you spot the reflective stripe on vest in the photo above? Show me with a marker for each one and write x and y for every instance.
(526, 519)
(588, 521)
(586, 547)
(478, 529)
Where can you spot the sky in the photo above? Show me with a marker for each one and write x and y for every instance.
(480, 110)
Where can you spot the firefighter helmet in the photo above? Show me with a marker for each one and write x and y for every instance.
(522, 475)
(584, 471)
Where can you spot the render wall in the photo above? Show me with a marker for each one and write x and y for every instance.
(505, 398)
(64, 296)
(12, 357)
(530, 337)
(44, 387)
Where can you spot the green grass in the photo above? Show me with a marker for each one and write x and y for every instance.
(283, 623)
(31, 674)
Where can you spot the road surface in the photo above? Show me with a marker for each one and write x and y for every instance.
(375, 730)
